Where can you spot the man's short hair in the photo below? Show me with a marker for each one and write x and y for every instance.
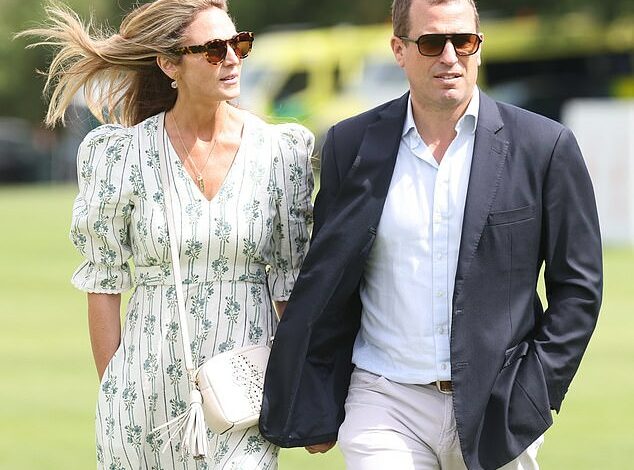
(401, 8)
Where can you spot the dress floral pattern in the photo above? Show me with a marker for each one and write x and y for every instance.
(238, 252)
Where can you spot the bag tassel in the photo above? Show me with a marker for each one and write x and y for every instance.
(192, 425)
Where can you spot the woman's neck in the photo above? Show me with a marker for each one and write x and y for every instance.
(198, 120)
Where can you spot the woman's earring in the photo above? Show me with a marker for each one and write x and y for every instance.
(174, 84)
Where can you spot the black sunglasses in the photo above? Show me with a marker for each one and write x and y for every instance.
(432, 45)
(216, 50)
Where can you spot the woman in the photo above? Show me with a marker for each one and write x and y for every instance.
(242, 208)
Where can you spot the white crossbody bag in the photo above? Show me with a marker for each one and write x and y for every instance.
(226, 390)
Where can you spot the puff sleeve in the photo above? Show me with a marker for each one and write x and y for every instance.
(292, 181)
(101, 212)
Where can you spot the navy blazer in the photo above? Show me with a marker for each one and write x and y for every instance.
(529, 203)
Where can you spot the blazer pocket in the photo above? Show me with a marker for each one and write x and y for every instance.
(511, 216)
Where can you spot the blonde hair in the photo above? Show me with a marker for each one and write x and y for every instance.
(118, 72)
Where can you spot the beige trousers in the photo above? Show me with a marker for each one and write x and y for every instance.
(394, 426)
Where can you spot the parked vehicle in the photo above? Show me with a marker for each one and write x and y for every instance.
(320, 76)
(301, 75)
(20, 161)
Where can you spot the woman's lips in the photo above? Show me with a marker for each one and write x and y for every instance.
(230, 79)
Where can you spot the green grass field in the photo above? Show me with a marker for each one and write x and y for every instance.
(48, 384)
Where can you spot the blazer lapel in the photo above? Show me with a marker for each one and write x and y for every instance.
(489, 156)
(347, 235)
(364, 189)
(371, 171)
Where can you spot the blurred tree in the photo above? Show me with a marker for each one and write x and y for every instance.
(20, 85)
(604, 9)
(261, 15)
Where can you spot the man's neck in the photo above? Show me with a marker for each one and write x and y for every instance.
(437, 126)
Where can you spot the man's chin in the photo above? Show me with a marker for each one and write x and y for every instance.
(453, 97)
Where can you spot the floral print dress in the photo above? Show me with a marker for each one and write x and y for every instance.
(238, 252)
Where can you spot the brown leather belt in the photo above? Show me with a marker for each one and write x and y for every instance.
(443, 386)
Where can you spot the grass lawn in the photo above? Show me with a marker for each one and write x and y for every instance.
(48, 384)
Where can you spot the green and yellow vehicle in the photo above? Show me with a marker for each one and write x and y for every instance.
(320, 76)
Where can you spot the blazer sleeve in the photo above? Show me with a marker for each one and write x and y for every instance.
(571, 245)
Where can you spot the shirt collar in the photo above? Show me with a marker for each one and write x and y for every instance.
(469, 119)
(467, 122)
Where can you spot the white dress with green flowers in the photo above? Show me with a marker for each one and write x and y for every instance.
(238, 252)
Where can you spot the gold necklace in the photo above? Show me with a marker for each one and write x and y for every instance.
(199, 173)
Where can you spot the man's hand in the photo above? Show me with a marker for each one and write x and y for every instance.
(320, 448)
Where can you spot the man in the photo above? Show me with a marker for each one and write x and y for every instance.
(415, 319)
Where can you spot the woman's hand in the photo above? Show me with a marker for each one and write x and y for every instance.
(280, 306)
(320, 448)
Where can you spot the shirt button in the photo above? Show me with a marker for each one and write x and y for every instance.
(443, 366)
(438, 256)
(441, 330)
(439, 293)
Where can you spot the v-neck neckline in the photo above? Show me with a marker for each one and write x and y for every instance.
(175, 160)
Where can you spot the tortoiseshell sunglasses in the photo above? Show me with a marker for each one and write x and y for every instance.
(216, 50)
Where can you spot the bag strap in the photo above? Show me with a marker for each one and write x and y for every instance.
(191, 423)
(174, 249)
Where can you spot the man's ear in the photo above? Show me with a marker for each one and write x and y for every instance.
(168, 67)
(398, 48)
(479, 58)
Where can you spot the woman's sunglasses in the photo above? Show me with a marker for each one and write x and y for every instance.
(432, 45)
(216, 50)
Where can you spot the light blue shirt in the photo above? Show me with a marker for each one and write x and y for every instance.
(408, 281)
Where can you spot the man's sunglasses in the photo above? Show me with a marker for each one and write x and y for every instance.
(216, 50)
(432, 45)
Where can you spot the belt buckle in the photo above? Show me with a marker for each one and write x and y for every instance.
(444, 386)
